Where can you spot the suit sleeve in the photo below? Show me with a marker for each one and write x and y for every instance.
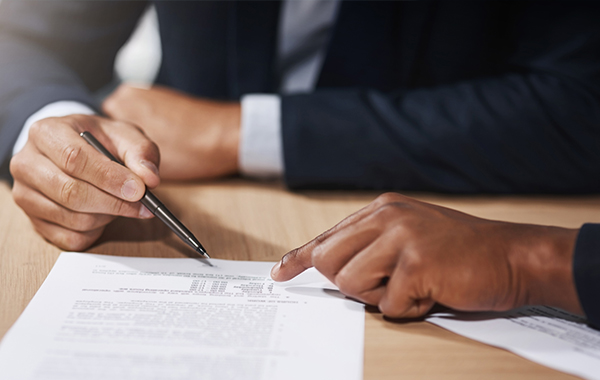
(52, 51)
(532, 128)
(586, 271)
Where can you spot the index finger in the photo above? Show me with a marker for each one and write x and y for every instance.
(300, 259)
(75, 157)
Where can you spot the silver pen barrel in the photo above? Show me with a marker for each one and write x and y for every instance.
(162, 212)
(155, 206)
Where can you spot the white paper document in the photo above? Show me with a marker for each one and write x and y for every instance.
(545, 335)
(105, 317)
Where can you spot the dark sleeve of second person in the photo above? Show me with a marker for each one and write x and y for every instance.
(533, 128)
(586, 271)
(51, 51)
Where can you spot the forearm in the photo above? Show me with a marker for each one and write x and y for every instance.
(511, 134)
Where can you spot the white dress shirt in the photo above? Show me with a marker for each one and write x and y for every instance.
(302, 23)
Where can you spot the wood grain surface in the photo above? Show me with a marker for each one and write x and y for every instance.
(242, 220)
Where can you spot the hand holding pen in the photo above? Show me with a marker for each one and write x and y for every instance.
(151, 202)
(70, 191)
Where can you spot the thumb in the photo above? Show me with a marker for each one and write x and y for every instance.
(135, 150)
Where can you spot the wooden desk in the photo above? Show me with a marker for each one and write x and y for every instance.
(256, 221)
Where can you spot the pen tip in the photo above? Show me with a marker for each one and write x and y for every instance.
(202, 253)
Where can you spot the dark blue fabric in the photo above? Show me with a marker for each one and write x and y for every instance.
(499, 97)
(586, 271)
(220, 50)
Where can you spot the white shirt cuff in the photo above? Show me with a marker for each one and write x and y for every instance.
(261, 147)
(56, 109)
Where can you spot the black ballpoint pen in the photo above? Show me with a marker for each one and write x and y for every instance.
(154, 205)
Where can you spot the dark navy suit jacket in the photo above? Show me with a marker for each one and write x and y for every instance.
(465, 97)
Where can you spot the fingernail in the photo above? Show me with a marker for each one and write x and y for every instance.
(145, 213)
(149, 165)
(275, 269)
(129, 189)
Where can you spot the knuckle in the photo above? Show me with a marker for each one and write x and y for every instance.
(319, 256)
(346, 283)
(106, 176)
(388, 198)
(389, 211)
(19, 196)
(38, 128)
(136, 127)
(411, 264)
(290, 257)
(72, 159)
(74, 241)
(369, 298)
(106, 173)
(16, 165)
(322, 237)
(108, 105)
(71, 194)
(122, 208)
(389, 309)
(84, 222)
(40, 230)
(150, 147)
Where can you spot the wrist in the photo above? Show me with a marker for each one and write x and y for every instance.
(232, 117)
(217, 148)
(542, 262)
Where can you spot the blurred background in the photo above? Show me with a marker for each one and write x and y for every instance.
(139, 59)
